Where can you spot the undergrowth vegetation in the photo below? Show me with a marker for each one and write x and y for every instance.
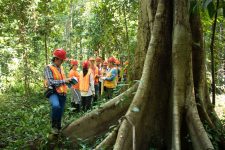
(25, 124)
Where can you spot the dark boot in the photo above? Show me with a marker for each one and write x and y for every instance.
(77, 107)
(73, 106)
(58, 125)
(55, 128)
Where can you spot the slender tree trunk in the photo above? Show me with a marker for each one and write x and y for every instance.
(46, 49)
(103, 53)
(76, 50)
(81, 50)
(71, 25)
(127, 38)
(45, 36)
(212, 56)
(25, 58)
(26, 79)
(126, 28)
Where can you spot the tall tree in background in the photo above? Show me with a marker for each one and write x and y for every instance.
(163, 110)
(46, 31)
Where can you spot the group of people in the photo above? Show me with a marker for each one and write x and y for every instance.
(95, 79)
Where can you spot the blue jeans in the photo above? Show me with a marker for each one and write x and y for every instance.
(57, 104)
(96, 92)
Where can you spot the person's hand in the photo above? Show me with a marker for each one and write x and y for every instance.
(68, 80)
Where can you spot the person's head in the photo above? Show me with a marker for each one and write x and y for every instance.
(105, 64)
(111, 62)
(59, 55)
(85, 64)
(92, 61)
(85, 67)
(98, 61)
(117, 62)
(74, 64)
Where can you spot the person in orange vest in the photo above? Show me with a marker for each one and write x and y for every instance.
(86, 86)
(103, 74)
(95, 72)
(110, 79)
(76, 97)
(55, 78)
(99, 65)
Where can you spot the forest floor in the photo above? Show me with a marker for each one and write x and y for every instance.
(24, 122)
(220, 105)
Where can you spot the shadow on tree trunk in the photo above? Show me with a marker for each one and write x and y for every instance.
(171, 102)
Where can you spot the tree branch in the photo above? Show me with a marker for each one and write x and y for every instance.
(99, 120)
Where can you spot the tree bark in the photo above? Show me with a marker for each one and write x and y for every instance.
(101, 119)
(212, 56)
(109, 141)
(172, 100)
(152, 94)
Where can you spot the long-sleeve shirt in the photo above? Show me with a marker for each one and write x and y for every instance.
(50, 78)
(113, 74)
(91, 89)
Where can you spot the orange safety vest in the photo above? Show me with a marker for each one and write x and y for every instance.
(74, 73)
(110, 84)
(95, 73)
(58, 76)
(84, 82)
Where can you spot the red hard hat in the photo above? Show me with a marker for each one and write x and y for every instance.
(98, 59)
(74, 62)
(60, 53)
(117, 62)
(85, 64)
(111, 60)
(105, 63)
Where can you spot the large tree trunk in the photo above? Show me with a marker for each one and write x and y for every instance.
(146, 19)
(164, 108)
